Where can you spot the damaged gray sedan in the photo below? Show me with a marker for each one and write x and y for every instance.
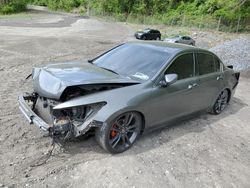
(131, 88)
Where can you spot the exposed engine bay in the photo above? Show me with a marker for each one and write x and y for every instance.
(76, 91)
(68, 123)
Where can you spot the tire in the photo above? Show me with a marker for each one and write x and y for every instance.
(119, 135)
(221, 102)
(143, 38)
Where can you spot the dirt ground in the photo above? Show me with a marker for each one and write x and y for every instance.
(207, 151)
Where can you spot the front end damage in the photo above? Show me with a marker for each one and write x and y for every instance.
(66, 123)
(57, 86)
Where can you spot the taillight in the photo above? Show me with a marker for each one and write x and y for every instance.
(236, 76)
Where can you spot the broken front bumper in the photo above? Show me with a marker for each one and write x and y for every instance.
(31, 116)
(52, 129)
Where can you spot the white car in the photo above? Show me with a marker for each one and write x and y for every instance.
(181, 39)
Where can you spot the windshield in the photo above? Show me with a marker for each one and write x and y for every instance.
(137, 61)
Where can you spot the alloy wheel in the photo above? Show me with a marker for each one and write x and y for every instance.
(124, 131)
(221, 102)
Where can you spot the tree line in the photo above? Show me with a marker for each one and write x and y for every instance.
(167, 11)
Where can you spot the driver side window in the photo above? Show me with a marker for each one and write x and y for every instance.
(183, 66)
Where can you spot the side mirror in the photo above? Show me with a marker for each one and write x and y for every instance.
(168, 79)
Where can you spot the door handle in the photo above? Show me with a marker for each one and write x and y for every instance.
(219, 77)
(191, 86)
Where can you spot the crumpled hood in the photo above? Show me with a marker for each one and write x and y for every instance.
(51, 80)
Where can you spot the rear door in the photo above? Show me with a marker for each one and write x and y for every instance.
(182, 40)
(151, 34)
(210, 78)
(156, 34)
(185, 40)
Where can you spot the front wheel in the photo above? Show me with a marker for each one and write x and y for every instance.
(221, 102)
(121, 133)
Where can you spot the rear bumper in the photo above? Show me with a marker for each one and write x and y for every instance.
(31, 116)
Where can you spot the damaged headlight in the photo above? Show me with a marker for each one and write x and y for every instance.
(78, 114)
(76, 120)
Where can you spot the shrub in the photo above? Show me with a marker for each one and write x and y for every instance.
(7, 9)
(13, 7)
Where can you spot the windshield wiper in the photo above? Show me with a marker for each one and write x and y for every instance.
(90, 61)
(109, 70)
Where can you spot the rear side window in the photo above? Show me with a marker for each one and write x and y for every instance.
(205, 63)
(186, 38)
(183, 66)
(218, 65)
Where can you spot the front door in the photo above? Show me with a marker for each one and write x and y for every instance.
(180, 98)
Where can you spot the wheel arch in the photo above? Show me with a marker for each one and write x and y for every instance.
(105, 115)
(143, 121)
(229, 95)
(140, 113)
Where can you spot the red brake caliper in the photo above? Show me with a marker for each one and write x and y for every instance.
(113, 133)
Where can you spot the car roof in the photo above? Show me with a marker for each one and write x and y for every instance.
(150, 29)
(178, 36)
(171, 47)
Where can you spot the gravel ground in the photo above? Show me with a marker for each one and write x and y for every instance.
(235, 52)
(207, 151)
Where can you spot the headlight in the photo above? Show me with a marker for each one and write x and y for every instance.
(78, 113)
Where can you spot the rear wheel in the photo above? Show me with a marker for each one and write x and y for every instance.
(121, 133)
(221, 102)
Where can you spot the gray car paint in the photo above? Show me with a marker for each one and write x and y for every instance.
(51, 80)
(157, 104)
